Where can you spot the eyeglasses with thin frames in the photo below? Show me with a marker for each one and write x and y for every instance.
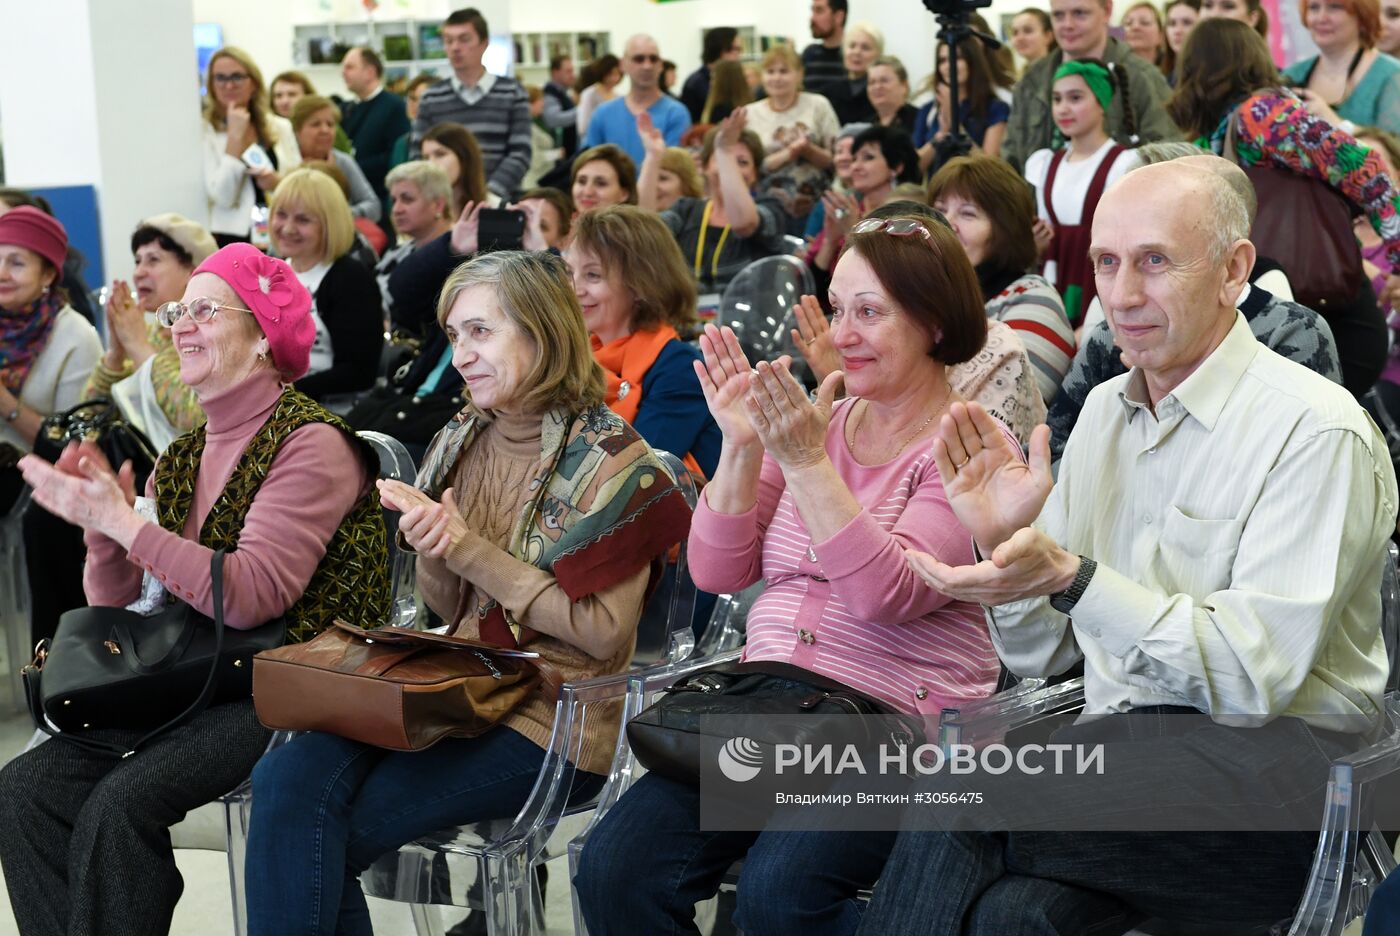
(642, 59)
(235, 78)
(199, 310)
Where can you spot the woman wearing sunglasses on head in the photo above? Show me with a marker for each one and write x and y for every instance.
(824, 502)
(85, 842)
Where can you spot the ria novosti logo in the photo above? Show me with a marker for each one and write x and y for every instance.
(741, 759)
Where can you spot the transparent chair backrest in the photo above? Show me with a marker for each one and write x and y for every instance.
(664, 633)
(759, 305)
(395, 463)
(1390, 614)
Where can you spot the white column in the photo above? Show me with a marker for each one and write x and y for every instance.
(101, 93)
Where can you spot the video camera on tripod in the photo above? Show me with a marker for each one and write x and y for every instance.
(954, 25)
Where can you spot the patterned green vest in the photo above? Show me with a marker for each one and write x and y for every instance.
(352, 580)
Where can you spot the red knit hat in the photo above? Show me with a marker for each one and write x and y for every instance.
(276, 298)
(30, 228)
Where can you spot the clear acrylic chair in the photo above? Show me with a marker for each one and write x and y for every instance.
(643, 689)
(489, 866)
(759, 306)
(394, 463)
(1351, 858)
(14, 604)
(726, 630)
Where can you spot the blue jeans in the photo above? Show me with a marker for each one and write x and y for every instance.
(648, 864)
(324, 808)
(1383, 915)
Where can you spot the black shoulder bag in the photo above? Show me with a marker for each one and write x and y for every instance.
(695, 717)
(113, 668)
(101, 421)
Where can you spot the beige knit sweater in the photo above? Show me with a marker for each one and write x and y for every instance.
(594, 636)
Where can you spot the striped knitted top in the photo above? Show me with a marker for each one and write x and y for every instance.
(500, 121)
(851, 608)
(1035, 311)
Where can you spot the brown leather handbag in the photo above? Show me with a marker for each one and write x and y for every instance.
(392, 687)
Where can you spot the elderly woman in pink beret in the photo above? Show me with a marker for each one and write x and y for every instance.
(282, 485)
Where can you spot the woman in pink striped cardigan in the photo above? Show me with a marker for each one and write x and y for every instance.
(822, 502)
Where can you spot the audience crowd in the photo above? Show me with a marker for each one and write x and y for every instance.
(1083, 377)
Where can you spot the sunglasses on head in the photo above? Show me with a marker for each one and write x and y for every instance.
(899, 227)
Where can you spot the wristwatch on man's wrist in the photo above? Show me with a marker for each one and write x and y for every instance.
(1064, 601)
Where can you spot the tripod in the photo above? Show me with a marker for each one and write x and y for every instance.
(953, 27)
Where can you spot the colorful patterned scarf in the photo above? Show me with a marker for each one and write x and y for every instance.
(602, 507)
(23, 337)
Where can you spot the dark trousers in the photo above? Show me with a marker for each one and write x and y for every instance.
(86, 843)
(1055, 883)
(54, 555)
(1359, 330)
(648, 864)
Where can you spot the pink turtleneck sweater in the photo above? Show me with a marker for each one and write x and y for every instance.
(312, 484)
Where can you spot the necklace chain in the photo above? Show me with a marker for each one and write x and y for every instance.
(860, 422)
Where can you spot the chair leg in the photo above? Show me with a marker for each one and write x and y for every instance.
(427, 919)
(236, 837)
(508, 896)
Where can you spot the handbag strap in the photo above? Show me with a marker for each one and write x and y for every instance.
(216, 573)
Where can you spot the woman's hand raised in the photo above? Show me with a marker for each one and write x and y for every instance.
(724, 377)
(432, 528)
(813, 337)
(791, 427)
(83, 489)
(464, 233)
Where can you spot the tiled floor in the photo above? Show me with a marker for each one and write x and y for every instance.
(205, 908)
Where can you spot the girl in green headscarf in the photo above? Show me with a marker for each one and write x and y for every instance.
(1070, 177)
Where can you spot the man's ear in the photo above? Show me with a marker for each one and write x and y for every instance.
(1239, 263)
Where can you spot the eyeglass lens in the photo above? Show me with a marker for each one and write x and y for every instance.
(200, 310)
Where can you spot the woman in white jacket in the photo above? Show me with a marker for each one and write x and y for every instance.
(236, 116)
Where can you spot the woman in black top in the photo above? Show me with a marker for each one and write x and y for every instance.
(312, 229)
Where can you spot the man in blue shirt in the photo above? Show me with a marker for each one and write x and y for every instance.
(616, 121)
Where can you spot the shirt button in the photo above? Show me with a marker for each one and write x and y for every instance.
(1152, 451)
(1095, 632)
(1146, 518)
(921, 693)
(806, 636)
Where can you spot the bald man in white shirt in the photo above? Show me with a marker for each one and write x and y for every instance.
(1213, 546)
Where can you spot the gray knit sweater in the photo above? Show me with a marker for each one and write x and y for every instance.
(500, 122)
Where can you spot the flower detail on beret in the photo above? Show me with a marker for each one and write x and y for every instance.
(269, 278)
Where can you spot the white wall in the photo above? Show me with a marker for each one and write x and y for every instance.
(107, 112)
(264, 27)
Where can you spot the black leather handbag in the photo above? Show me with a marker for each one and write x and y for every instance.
(101, 421)
(113, 668)
(695, 716)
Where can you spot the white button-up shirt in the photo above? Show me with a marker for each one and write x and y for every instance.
(472, 94)
(1239, 532)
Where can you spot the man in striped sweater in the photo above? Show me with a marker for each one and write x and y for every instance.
(495, 109)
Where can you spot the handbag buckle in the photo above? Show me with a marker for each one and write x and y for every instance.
(112, 647)
(41, 653)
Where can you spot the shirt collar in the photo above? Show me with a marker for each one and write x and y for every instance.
(1206, 391)
(484, 84)
(377, 89)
